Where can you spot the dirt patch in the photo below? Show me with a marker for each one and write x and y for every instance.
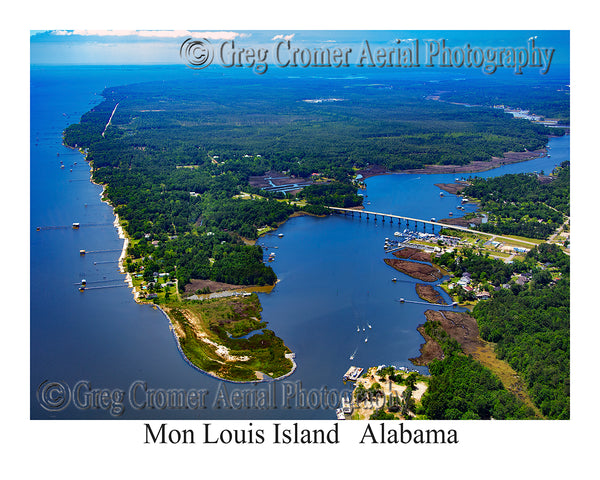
(372, 171)
(429, 294)
(413, 254)
(480, 165)
(430, 350)
(458, 325)
(421, 271)
(452, 188)
(363, 410)
(213, 286)
(461, 326)
(461, 221)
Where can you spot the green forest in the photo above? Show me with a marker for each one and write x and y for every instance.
(530, 325)
(176, 154)
(522, 204)
(551, 100)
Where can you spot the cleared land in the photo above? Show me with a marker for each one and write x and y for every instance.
(421, 271)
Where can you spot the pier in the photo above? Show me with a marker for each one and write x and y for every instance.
(87, 252)
(353, 374)
(74, 226)
(83, 288)
(450, 307)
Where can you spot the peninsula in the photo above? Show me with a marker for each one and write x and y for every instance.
(196, 172)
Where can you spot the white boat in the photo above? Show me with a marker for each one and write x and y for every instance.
(394, 279)
(357, 328)
(366, 339)
(397, 234)
(369, 325)
(401, 300)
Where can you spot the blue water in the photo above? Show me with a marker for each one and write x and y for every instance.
(331, 271)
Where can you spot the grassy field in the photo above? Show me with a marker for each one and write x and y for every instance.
(209, 334)
(486, 355)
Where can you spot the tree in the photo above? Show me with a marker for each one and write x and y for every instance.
(411, 380)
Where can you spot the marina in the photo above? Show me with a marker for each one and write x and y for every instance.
(352, 374)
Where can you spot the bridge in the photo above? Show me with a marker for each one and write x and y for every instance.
(433, 223)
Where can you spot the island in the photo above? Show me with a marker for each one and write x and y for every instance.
(422, 271)
(226, 338)
(429, 294)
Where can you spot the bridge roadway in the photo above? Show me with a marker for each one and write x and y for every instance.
(430, 222)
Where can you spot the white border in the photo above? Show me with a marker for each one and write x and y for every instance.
(490, 450)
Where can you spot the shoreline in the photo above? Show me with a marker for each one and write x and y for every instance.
(475, 166)
(136, 295)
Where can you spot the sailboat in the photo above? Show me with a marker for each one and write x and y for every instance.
(366, 339)
(369, 325)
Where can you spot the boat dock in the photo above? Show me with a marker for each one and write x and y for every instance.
(353, 374)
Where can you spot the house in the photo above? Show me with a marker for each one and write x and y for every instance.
(521, 280)
(482, 295)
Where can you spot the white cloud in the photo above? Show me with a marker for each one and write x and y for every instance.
(153, 34)
(284, 37)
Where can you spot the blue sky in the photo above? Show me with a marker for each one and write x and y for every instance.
(134, 47)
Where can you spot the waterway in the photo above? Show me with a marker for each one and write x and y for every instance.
(333, 282)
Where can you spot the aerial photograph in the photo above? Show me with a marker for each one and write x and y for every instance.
(335, 225)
